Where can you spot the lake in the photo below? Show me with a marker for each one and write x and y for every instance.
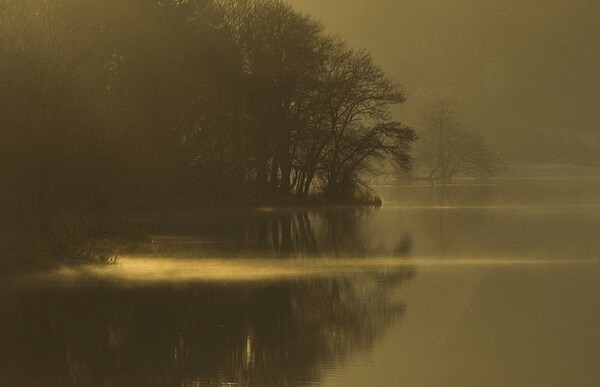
(489, 283)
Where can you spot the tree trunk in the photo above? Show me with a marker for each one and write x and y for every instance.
(286, 170)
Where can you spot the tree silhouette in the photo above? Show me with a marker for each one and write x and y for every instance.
(446, 148)
(116, 108)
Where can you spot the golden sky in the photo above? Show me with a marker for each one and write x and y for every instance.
(523, 70)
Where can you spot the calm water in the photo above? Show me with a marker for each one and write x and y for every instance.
(479, 284)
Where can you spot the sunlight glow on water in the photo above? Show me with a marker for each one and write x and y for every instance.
(451, 286)
(150, 269)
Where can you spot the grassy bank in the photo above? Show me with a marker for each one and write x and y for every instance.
(66, 242)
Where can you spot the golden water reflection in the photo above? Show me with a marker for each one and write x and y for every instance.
(248, 334)
(149, 270)
(445, 277)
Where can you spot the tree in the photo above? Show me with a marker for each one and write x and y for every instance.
(447, 148)
(361, 148)
(302, 99)
(49, 135)
(348, 125)
(122, 106)
(56, 158)
(279, 53)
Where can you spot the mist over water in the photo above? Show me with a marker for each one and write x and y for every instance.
(471, 284)
(217, 193)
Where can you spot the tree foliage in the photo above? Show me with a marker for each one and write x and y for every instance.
(112, 107)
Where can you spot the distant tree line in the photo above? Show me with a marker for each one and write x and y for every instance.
(118, 106)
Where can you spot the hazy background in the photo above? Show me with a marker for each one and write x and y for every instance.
(526, 73)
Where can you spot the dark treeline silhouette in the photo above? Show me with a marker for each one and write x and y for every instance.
(109, 108)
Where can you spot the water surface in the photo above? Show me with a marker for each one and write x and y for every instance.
(492, 283)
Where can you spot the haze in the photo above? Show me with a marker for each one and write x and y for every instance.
(232, 193)
(524, 72)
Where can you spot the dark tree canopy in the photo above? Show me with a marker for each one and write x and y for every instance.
(110, 108)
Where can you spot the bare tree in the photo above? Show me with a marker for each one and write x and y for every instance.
(447, 148)
(349, 123)
(279, 53)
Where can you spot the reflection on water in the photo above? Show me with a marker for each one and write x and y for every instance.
(149, 270)
(179, 316)
(286, 297)
(253, 335)
(328, 232)
(138, 271)
(555, 219)
(544, 218)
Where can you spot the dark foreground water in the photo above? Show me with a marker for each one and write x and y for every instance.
(478, 284)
